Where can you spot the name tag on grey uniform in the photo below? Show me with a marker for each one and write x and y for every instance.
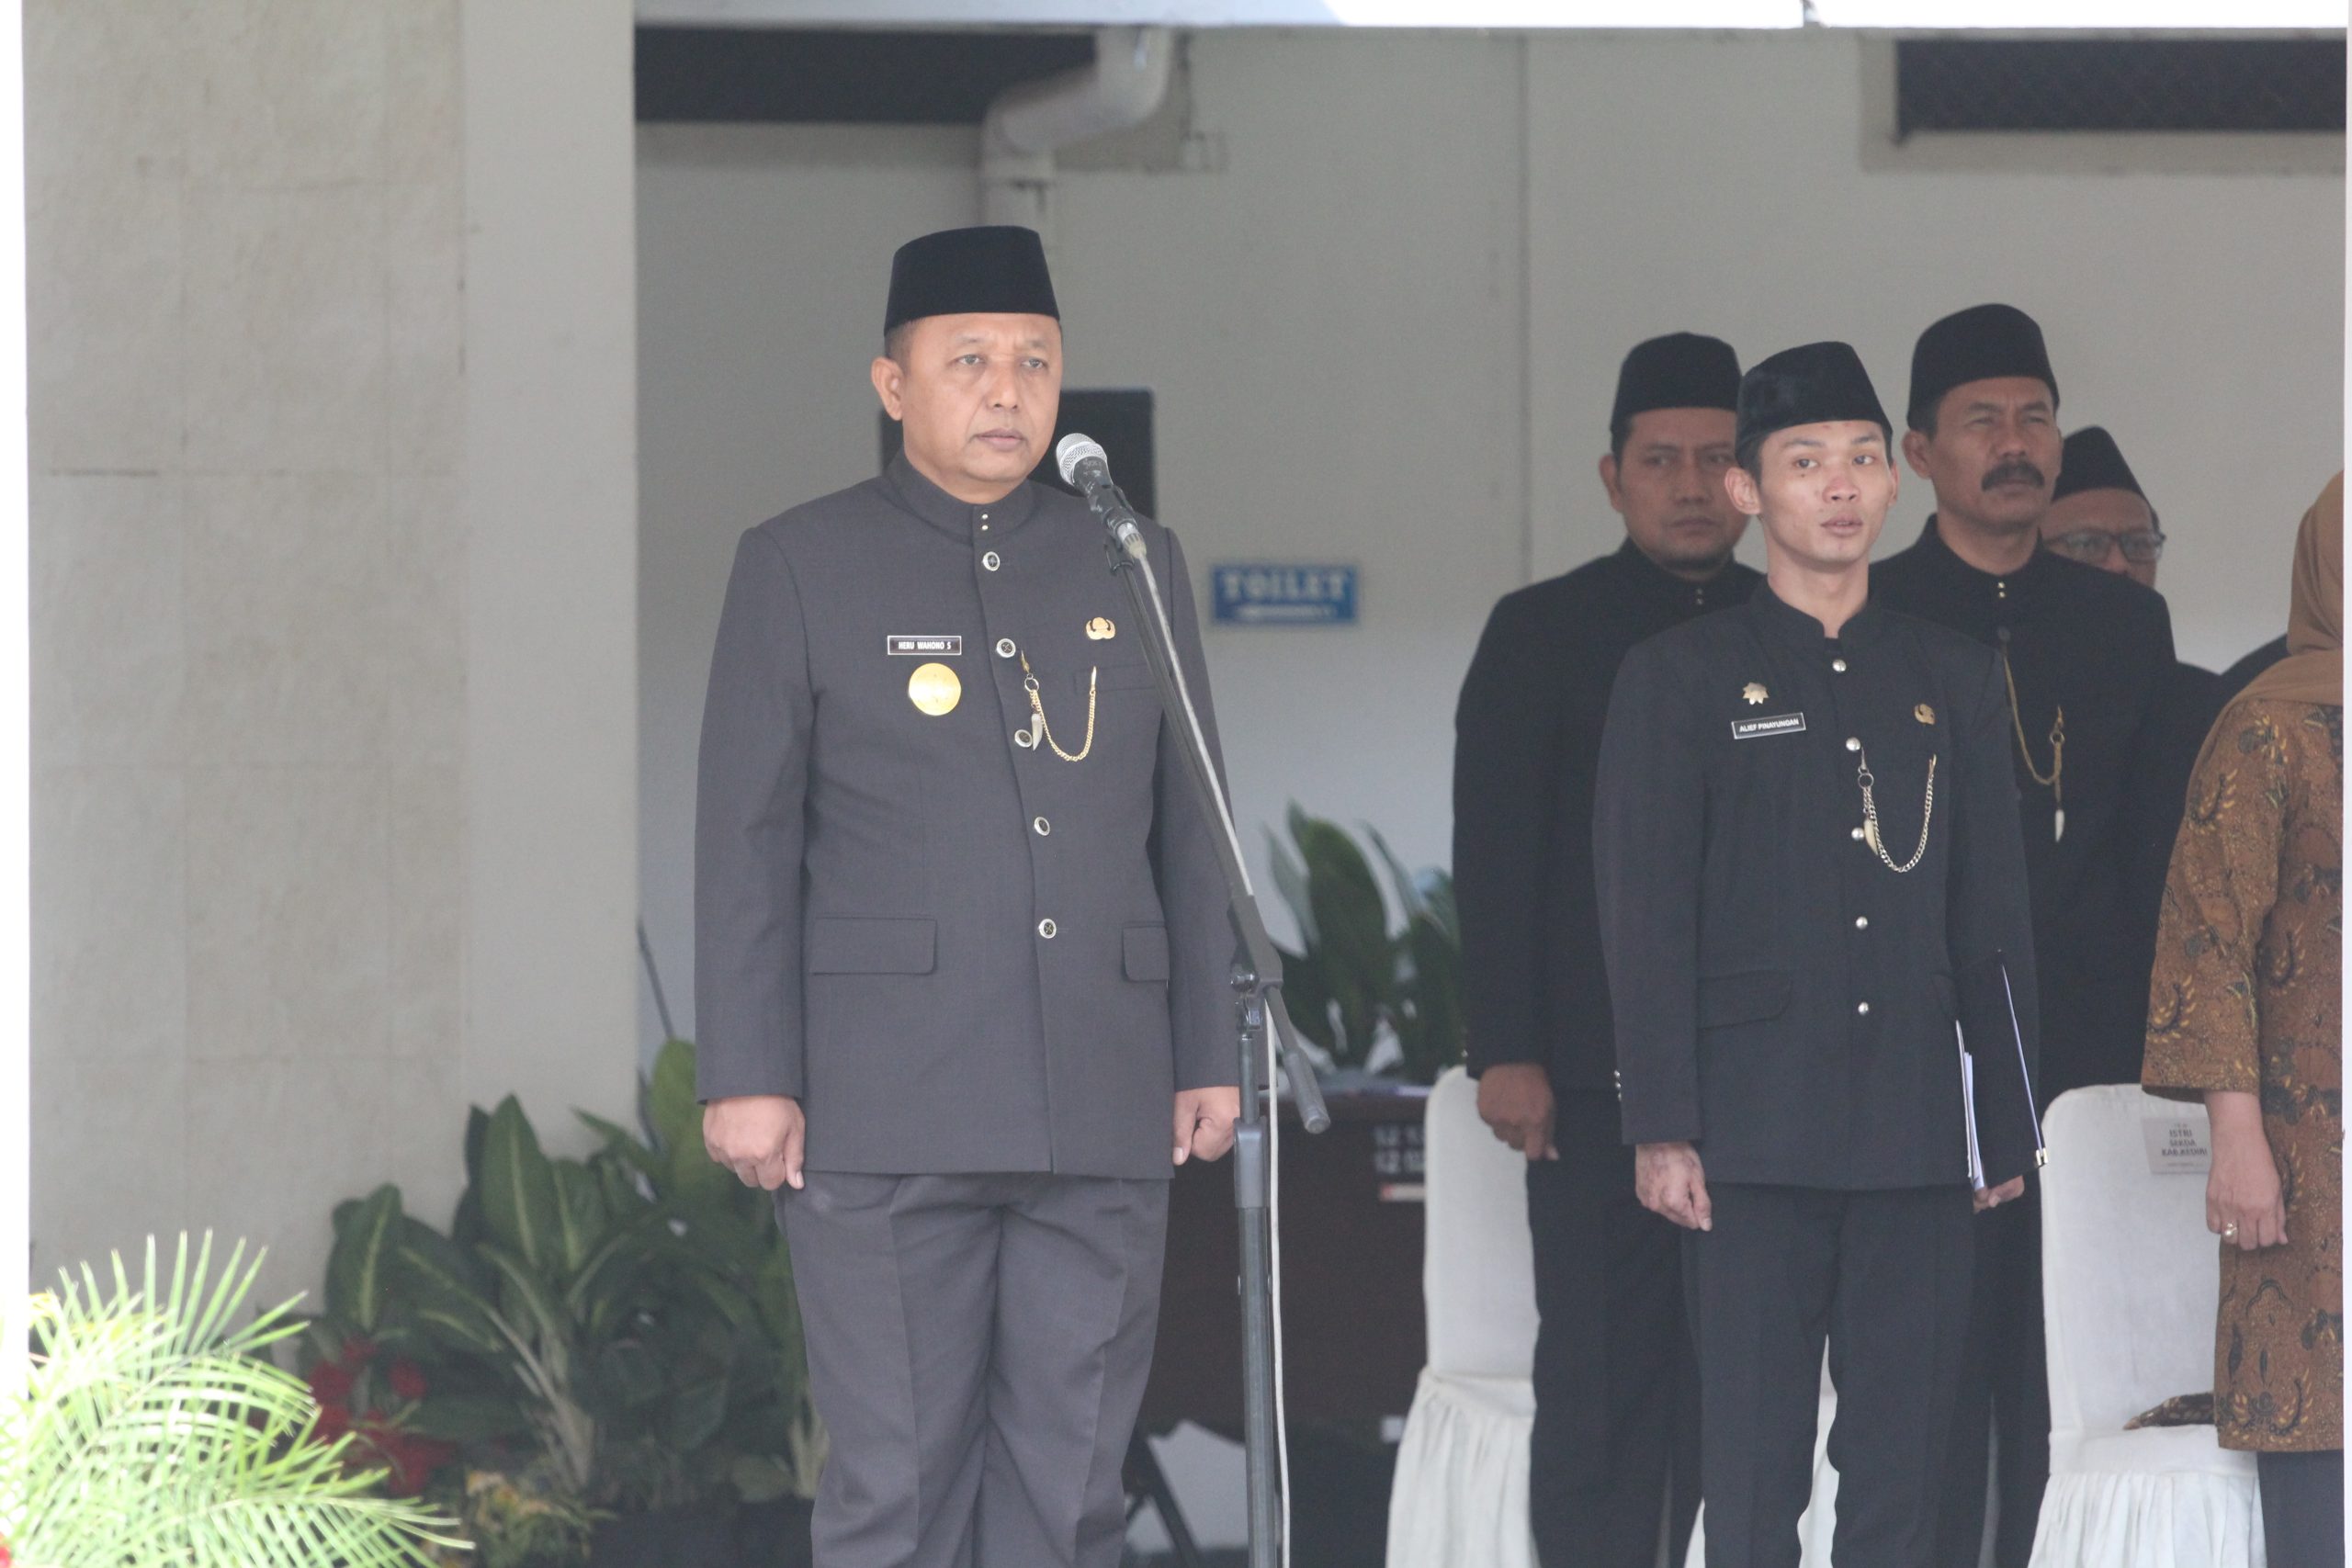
(1779, 724)
(926, 646)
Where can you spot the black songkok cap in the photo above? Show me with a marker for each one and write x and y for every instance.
(1820, 383)
(997, 270)
(1980, 344)
(2093, 461)
(1680, 370)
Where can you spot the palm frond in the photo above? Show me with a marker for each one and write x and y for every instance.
(153, 1430)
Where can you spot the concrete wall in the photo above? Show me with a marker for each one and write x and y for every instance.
(277, 653)
(2198, 315)
(1382, 304)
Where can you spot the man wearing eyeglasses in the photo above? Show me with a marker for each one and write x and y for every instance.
(2099, 515)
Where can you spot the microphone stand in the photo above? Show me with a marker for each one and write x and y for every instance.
(1258, 1002)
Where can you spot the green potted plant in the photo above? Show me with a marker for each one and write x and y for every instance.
(155, 1430)
(1356, 985)
(604, 1351)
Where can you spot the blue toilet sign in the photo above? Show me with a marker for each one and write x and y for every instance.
(1267, 593)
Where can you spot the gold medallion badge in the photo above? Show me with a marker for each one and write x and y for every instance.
(1101, 630)
(934, 689)
(1755, 694)
(1924, 714)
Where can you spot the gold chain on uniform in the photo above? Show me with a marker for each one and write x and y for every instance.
(1029, 684)
(2054, 781)
(1870, 815)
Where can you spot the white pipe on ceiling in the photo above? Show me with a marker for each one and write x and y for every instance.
(1030, 121)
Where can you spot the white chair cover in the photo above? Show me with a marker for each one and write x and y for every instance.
(1460, 1497)
(2130, 1277)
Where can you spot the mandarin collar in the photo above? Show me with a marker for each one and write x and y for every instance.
(960, 520)
(1690, 598)
(2006, 593)
(1784, 622)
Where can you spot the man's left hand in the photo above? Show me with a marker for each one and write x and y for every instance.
(1204, 1119)
(1993, 1197)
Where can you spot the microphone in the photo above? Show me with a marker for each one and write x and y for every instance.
(1086, 468)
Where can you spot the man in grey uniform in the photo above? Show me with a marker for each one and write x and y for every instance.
(962, 949)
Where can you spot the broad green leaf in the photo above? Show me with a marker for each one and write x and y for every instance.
(538, 1315)
(580, 1213)
(623, 1143)
(629, 1375)
(623, 1200)
(442, 1289)
(518, 1195)
(1290, 881)
(670, 1104)
(360, 1269)
(1409, 892)
(468, 1417)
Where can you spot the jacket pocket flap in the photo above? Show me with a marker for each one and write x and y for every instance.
(1145, 952)
(1741, 999)
(841, 944)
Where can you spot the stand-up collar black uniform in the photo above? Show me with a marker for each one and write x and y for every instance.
(1784, 996)
(1527, 734)
(2099, 646)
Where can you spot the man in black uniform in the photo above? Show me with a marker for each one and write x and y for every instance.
(1804, 829)
(2100, 516)
(2086, 659)
(1615, 1397)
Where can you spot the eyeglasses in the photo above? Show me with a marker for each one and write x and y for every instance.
(2093, 546)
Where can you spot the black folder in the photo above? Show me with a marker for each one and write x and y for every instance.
(2004, 1129)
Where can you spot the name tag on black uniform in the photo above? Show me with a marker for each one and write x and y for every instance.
(1779, 724)
(927, 647)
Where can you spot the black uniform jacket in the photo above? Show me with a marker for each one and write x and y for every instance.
(962, 953)
(2100, 645)
(1785, 1001)
(1526, 741)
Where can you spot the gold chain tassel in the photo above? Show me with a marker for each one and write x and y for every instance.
(1037, 708)
(1870, 817)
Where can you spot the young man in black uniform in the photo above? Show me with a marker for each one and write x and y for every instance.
(1615, 1397)
(1805, 828)
(2086, 658)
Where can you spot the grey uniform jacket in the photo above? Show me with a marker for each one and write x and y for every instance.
(959, 952)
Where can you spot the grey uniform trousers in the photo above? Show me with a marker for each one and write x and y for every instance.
(977, 1349)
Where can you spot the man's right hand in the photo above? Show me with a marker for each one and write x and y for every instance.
(757, 1136)
(1515, 1100)
(1669, 1181)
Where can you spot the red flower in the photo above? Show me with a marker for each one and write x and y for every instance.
(357, 1351)
(334, 1422)
(406, 1379)
(7, 1557)
(407, 1460)
(331, 1383)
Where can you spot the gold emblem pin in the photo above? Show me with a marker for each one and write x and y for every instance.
(1101, 630)
(934, 689)
(1924, 714)
(1755, 694)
